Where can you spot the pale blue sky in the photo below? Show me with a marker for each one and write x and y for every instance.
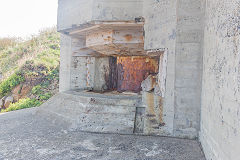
(22, 18)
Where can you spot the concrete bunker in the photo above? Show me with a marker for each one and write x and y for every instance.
(108, 61)
(129, 68)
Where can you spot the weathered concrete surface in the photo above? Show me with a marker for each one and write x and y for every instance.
(67, 8)
(65, 63)
(74, 13)
(160, 32)
(220, 116)
(153, 119)
(177, 28)
(173, 27)
(27, 135)
(188, 67)
(94, 112)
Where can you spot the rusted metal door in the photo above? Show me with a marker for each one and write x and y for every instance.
(132, 70)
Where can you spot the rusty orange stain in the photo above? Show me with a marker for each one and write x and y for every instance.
(150, 104)
(142, 38)
(154, 111)
(128, 37)
(161, 111)
(109, 38)
(133, 70)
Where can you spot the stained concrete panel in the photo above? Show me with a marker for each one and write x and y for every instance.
(160, 33)
(220, 112)
(94, 112)
(73, 13)
(177, 28)
(113, 10)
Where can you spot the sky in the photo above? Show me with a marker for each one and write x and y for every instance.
(23, 18)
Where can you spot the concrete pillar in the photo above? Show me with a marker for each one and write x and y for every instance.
(65, 63)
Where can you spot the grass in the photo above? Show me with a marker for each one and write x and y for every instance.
(48, 58)
(22, 104)
(35, 62)
(8, 84)
(39, 92)
(8, 42)
(43, 49)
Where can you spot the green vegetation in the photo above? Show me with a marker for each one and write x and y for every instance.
(43, 49)
(8, 42)
(30, 68)
(45, 96)
(8, 84)
(38, 91)
(22, 104)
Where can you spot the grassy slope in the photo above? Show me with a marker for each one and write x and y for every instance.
(30, 69)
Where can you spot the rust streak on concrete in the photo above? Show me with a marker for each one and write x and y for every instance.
(128, 37)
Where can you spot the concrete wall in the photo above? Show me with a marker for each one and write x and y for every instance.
(176, 27)
(72, 13)
(160, 32)
(89, 73)
(82, 73)
(188, 67)
(109, 10)
(220, 116)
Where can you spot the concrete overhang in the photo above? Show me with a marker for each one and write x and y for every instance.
(110, 38)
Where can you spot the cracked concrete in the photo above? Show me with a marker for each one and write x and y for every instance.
(27, 134)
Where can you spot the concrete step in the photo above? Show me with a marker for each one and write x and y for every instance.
(92, 112)
(107, 98)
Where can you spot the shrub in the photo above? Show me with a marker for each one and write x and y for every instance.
(45, 96)
(45, 84)
(23, 103)
(7, 85)
(53, 74)
(36, 90)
